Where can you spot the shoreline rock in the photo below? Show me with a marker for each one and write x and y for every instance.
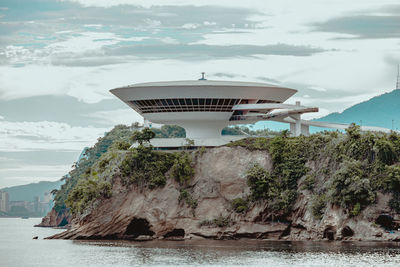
(56, 220)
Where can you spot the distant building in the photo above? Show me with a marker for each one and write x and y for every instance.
(36, 204)
(25, 205)
(4, 201)
(46, 204)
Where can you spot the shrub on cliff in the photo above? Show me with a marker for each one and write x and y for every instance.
(318, 205)
(259, 180)
(184, 195)
(182, 169)
(394, 202)
(369, 146)
(85, 192)
(144, 166)
(309, 182)
(220, 221)
(121, 145)
(391, 178)
(252, 143)
(385, 151)
(240, 205)
(351, 188)
(280, 186)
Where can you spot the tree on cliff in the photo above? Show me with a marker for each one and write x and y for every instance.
(143, 136)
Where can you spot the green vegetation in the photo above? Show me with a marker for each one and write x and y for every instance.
(202, 150)
(318, 205)
(351, 187)
(86, 191)
(92, 178)
(240, 205)
(346, 170)
(169, 131)
(309, 182)
(243, 130)
(391, 181)
(185, 196)
(144, 166)
(182, 169)
(143, 136)
(259, 180)
(394, 203)
(81, 168)
(220, 221)
(252, 143)
(121, 145)
(356, 164)
(174, 131)
(279, 186)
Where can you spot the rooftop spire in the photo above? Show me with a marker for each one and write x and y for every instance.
(398, 78)
(202, 77)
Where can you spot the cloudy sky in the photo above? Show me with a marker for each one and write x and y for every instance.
(58, 59)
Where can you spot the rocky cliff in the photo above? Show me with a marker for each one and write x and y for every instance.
(55, 219)
(205, 209)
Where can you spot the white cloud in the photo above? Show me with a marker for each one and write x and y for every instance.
(190, 26)
(88, 41)
(209, 23)
(318, 88)
(353, 70)
(45, 135)
(119, 116)
(153, 23)
(25, 174)
(93, 26)
(169, 40)
(36, 168)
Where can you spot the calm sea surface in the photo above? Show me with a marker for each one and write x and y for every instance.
(18, 249)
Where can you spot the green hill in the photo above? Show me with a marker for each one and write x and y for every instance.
(29, 191)
(381, 111)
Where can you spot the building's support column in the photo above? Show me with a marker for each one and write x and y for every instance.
(292, 129)
(298, 125)
(305, 130)
(202, 129)
(295, 128)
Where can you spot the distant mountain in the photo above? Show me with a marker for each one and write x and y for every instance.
(378, 111)
(29, 191)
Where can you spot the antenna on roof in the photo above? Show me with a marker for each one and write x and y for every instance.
(398, 78)
(202, 77)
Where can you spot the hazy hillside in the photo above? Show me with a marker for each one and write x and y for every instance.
(378, 111)
(29, 191)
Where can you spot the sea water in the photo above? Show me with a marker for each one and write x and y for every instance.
(17, 248)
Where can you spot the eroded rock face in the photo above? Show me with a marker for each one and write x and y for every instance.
(135, 212)
(55, 219)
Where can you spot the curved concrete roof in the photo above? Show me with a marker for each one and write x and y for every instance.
(203, 89)
(203, 83)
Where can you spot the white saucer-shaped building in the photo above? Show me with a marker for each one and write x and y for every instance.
(202, 107)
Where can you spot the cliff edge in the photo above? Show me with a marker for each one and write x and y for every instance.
(242, 191)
